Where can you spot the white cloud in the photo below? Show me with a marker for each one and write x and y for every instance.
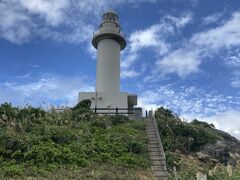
(129, 73)
(185, 19)
(228, 121)
(20, 20)
(57, 90)
(154, 37)
(190, 103)
(148, 100)
(51, 11)
(33, 65)
(235, 81)
(232, 61)
(223, 36)
(187, 59)
(180, 62)
(213, 18)
(15, 26)
(150, 37)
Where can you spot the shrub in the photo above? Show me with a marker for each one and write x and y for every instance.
(118, 119)
(84, 104)
(13, 170)
(135, 147)
(50, 140)
(201, 123)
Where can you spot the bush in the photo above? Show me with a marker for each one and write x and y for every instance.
(50, 140)
(14, 170)
(176, 133)
(135, 147)
(118, 119)
(172, 159)
(203, 124)
(84, 104)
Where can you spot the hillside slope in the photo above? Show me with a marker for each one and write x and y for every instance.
(197, 146)
(72, 144)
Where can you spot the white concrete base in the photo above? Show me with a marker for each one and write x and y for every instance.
(109, 100)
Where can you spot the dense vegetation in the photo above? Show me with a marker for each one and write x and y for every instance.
(182, 140)
(177, 133)
(74, 143)
(70, 143)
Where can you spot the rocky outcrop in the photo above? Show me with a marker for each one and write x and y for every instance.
(226, 150)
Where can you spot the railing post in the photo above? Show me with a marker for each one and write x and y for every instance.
(95, 109)
(116, 110)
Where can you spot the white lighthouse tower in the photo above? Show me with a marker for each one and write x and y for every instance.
(109, 41)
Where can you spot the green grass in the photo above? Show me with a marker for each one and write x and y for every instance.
(71, 142)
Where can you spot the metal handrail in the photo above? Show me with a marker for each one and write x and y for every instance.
(113, 110)
(95, 32)
(130, 109)
(158, 136)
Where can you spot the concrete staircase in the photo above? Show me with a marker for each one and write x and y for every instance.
(156, 152)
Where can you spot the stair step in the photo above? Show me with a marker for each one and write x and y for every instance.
(159, 154)
(156, 167)
(160, 173)
(151, 131)
(152, 135)
(151, 128)
(161, 177)
(156, 152)
(153, 141)
(154, 146)
(157, 163)
(159, 157)
(153, 154)
(154, 149)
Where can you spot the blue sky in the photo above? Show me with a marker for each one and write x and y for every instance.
(181, 54)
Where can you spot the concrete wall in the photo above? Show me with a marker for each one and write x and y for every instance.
(108, 66)
(106, 99)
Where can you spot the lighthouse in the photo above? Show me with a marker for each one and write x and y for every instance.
(109, 41)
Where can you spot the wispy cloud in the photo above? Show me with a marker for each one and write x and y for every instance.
(235, 80)
(33, 65)
(232, 61)
(180, 62)
(227, 121)
(213, 18)
(53, 89)
(223, 36)
(190, 103)
(154, 38)
(22, 20)
(187, 59)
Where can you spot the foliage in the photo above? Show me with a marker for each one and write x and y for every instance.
(201, 123)
(82, 107)
(118, 119)
(35, 142)
(178, 135)
(222, 174)
(181, 135)
(181, 140)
